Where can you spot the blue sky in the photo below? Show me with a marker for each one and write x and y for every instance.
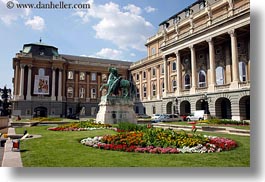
(115, 29)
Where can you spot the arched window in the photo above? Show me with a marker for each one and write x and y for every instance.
(219, 71)
(70, 91)
(174, 66)
(144, 75)
(242, 71)
(202, 78)
(187, 81)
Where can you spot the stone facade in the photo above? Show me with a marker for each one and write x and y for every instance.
(198, 60)
(50, 84)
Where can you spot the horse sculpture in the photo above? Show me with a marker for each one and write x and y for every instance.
(116, 83)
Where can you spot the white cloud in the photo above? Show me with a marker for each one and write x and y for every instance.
(126, 29)
(132, 54)
(8, 16)
(133, 9)
(37, 23)
(109, 53)
(149, 9)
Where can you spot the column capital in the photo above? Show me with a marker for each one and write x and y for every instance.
(232, 33)
(191, 47)
(22, 66)
(209, 40)
(177, 52)
(164, 57)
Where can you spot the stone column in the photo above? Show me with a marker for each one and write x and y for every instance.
(88, 87)
(158, 87)
(179, 76)
(193, 70)
(141, 84)
(234, 55)
(16, 82)
(149, 84)
(29, 84)
(227, 78)
(165, 76)
(60, 98)
(53, 84)
(21, 90)
(212, 83)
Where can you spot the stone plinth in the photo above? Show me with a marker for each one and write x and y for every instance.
(114, 109)
(4, 121)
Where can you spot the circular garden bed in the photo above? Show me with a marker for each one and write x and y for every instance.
(80, 126)
(160, 141)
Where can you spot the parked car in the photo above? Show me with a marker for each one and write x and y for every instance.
(196, 115)
(73, 116)
(143, 116)
(167, 118)
(156, 116)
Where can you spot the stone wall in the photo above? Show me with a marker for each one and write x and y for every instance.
(4, 121)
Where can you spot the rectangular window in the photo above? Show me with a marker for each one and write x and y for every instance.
(70, 75)
(153, 51)
(162, 69)
(154, 110)
(154, 72)
(82, 76)
(93, 93)
(144, 91)
(81, 93)
(154, 89)
(93, 77)
(70, 91)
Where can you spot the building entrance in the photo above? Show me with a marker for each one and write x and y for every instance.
(40, 112)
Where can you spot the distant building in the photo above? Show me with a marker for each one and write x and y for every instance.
(47, 83)
(198, 60)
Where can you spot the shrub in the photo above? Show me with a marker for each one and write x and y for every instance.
(126, 126)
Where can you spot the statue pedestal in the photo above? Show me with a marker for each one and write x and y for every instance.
(115, 109)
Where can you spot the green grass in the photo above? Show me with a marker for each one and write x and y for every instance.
(244, 127)
(62, 149)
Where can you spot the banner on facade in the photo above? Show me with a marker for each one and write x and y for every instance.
(41, 85)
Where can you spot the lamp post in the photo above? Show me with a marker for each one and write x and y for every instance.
(207, 100)
(177, 108)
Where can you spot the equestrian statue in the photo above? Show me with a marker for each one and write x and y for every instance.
(117, 86)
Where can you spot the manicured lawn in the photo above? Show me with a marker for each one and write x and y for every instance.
(62, 149)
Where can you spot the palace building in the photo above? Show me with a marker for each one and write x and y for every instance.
(199, 59)
(47, 83)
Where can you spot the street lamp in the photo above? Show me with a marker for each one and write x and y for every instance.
(177, 108)
(207, 100)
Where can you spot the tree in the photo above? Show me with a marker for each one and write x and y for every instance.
(5, 102)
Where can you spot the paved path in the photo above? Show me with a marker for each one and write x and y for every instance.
(11, 158)
(217, 129)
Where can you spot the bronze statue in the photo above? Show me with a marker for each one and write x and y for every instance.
(116, 83)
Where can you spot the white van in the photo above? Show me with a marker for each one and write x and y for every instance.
(196, 115)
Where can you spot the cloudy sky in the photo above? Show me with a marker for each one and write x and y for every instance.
(114, 29)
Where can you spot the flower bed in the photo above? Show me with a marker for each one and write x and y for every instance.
(160, 141)
(80, 126)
